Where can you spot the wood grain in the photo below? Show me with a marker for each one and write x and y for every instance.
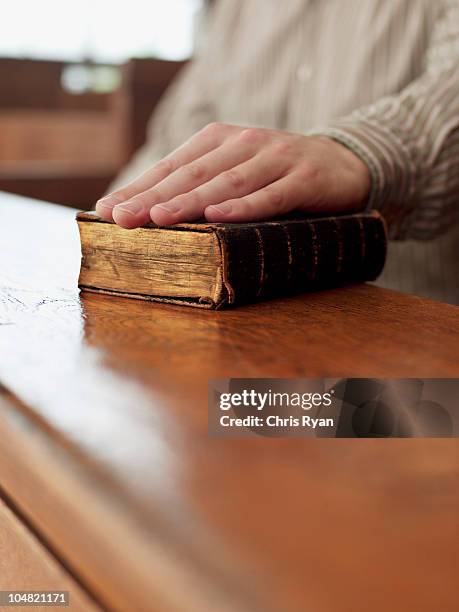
(106, 409)
(26, 565)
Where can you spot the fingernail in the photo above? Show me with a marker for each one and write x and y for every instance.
(132, 208)
(109, 201)
(171, 207)
(223, 208)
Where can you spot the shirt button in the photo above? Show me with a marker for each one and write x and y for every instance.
(304, 73)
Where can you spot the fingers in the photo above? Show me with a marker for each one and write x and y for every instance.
(185, 179)
(198, 145)
(235, 182)
(131, 214)
(277, 198)
(105, 205)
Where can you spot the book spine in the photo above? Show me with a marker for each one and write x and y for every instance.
(288, 257)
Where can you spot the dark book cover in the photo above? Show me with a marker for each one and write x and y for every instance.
(253, 261)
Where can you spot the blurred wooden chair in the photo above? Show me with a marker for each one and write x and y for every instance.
(66, 147)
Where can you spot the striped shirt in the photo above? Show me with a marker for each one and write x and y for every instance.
(379, 76)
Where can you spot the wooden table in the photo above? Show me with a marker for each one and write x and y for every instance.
(113, 489)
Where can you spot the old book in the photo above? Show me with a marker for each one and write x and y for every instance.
(212, 265)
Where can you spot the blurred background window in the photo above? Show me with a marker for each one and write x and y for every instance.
(98, 30)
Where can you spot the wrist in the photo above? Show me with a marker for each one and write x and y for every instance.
(356, 167)
(356, 170)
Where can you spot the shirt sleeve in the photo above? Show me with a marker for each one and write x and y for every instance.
(410, 141)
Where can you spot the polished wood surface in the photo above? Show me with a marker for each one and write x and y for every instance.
(26, 565)
(104, 444)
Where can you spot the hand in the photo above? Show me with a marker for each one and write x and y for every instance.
(234, 174)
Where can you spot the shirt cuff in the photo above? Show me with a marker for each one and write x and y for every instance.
(390, 164)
